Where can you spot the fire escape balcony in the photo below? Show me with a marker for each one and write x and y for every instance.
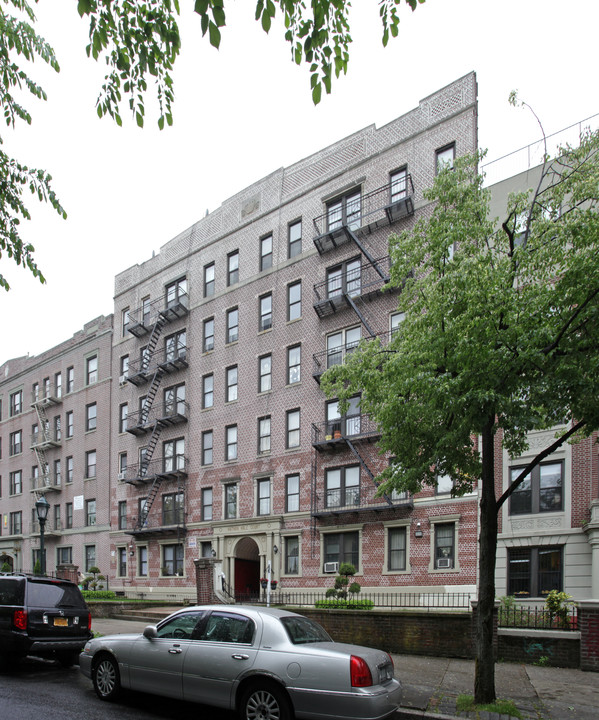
(143, 319)
(45, 438)
(169, 413)
(51, 482)
(334, 435)
(340, 291)
(48, 400)
(52, 528)
(168, 467)
(170, 360)
(175, 308)
(352, 499)
(168, 522)
(326, 359)
(380, 208)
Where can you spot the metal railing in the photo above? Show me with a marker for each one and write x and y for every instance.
(169, 359)
(169, 466)
(537, 618)
(169, 413)
(361, 282)
(394, 600)
(350, 427)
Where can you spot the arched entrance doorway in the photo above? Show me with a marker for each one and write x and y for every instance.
(6, 563)
(247, 569)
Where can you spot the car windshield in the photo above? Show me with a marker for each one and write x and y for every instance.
(12, 592)
(303, 630)
(51, 594)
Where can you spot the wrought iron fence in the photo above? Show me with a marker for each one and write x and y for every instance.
(420, 601)
(538, 618)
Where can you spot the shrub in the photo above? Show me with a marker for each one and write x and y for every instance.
(98, 595)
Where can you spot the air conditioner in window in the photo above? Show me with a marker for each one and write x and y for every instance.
(122, 380)
(122, 475)
(444, 562)
(331, 567)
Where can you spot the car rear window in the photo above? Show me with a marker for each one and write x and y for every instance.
(303, 630)
(50, 594)
(12, 592)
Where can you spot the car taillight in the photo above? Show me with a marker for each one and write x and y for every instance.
(89, 621)
(391, 661)
(360, 672)
(20, 619)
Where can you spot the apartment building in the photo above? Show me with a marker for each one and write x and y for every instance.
(55, 442)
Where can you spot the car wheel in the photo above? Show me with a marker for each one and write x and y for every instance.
(265, 701)
(106, 678)
(67, 659)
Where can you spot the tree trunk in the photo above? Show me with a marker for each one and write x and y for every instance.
(484, 672)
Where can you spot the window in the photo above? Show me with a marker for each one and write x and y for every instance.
(342, 548)
(90, 464)
(292, 555)
(293, 428)
(266, 252)
(173, 509)
(35, 392)
(207, 447)
(122, 465)
(292, 488)
(396, 558)
(263, 496)
(145, 310)
(91, 370)
(233, 267)
(57, 472)
(142, 561)
(15, 440)
(58, 384)
(345, 211)
(263, 435)
(174, 402)
(70, 421)
(294, 301)
(294, 363)
(444, 157)
(124, 321)
(121, 561)
(208, 336)
(266, 312)
(90, 512)
(175, 346)
(122, 515)
(209, 279)
(123, 413)
(230, 501)
(231, 383)
(16, 403)
(342, 487)
(207, 391)
(174, 455)
(295, 239)
(91, 416)
(399, 184)
(68, 508)
(342, 343)
(345, 278)
(444, 546)
(176, 293)
(57, 524)
(90, 557)
(16, 523)
(70, 469)
(232, 325)
(395, 320)
(207, 504)
(444, 485)
(15, 482)
(265, 379)
(70, 379)
(540, 491)
(231, 442)
(346, 426)
(534, 571)
(64, 556)
(57, 428)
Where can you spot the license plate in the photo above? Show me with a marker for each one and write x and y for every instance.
(62, 622)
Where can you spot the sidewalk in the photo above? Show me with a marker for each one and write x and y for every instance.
(431, 685)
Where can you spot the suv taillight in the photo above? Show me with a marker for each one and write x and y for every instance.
(359, 672)
(20, 619)
(89, 621)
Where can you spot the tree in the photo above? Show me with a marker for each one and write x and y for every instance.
(500, 338)
(140, 41)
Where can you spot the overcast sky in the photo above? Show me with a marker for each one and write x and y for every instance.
(246, 110)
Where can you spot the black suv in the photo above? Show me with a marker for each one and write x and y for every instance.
(41, 616)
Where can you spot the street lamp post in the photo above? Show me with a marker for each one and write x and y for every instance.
(41, 508)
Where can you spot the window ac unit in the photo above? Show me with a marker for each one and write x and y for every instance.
(122, 475)
(444, 562)
(122, 380)
(331, 567)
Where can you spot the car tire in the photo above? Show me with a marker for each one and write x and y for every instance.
(106, 678)
(265, 701)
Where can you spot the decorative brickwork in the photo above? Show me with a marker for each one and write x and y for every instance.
(588, 622)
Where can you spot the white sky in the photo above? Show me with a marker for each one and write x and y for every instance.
(246, 110)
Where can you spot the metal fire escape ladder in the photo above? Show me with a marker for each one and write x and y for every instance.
(354, 450)
(145, 511)
(352, 303)
(40, 454)
(153, 341)
(366, 254)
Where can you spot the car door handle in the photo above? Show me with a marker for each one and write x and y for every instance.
(238, 656)
(175, 650)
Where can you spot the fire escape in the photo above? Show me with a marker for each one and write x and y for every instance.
(43, 438)
(352, 285)
(152, 366)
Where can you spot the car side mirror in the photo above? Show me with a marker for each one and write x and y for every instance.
(150, 632)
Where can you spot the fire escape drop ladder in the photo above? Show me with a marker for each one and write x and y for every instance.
(354, 450)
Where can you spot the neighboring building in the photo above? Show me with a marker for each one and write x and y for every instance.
(55, 441)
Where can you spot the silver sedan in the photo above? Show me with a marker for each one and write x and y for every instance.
(266, 663)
